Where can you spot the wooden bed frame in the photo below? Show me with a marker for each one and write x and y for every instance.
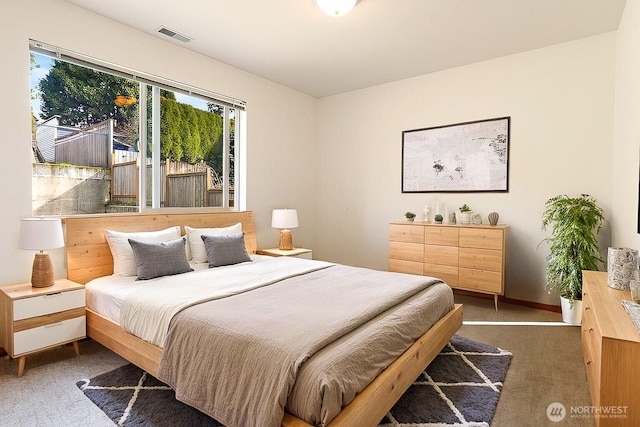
(88, 257)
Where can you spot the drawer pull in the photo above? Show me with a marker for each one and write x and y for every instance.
(587, 308)
(53, 295)
(53, 324)
(590, 330)
(588, 362)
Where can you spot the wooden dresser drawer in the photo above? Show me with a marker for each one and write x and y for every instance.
(446, 273)
(406, 251)
(480, 280)
(47, 304)
(49, 335)
(481, 238)
(481, 259)
(406, 233)
(590, 330)
(445, 255)
(402, 266)
(447, 236)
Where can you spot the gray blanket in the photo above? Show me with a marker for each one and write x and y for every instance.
(237, 358)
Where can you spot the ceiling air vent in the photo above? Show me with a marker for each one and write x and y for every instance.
(174, 35)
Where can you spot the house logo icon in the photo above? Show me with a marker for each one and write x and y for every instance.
(556, 412)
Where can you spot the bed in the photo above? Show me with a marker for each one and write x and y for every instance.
(89, 257)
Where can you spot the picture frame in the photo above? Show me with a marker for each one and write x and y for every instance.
(462, 157)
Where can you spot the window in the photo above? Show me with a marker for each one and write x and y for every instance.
(107, 139)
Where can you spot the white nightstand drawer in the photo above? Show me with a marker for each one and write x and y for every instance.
(305, 255)
(49, 335)
(47, 304)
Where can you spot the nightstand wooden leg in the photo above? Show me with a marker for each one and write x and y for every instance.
(495, 301)
(76, 347)
(21, 362)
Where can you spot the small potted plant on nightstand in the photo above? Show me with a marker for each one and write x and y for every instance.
(465, 214)
(438, 218)
(410, 216)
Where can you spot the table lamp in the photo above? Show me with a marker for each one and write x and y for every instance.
(285, 219)
(41, 234)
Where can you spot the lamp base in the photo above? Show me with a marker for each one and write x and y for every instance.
(42, 273)
(286, 242)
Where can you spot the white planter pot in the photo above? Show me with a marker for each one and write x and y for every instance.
(465, 217)
(571, 315)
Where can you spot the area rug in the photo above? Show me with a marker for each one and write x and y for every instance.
(461, 387)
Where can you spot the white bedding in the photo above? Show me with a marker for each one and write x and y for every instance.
(145, 308)
(105, 294)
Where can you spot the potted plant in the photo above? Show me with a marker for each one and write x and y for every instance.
(438, 218)
(465, 214)
(575, 223)
(410, 216)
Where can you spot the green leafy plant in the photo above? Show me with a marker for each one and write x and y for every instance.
(465, 208)
(409, 215)
(575, 223)
(438, 218)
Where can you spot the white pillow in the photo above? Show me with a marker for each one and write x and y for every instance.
(195, 243)
(123, 262)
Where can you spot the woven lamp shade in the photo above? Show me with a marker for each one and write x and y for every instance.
(40, 234)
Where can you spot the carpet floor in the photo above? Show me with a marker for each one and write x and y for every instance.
(461, 387)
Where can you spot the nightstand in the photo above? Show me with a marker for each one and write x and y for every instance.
(295, 252)
(37, 319)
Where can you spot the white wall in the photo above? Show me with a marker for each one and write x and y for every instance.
(627, 128)
(560, 100)
(337, 160)
(281, 122)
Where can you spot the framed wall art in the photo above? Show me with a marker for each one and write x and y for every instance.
(463, 157)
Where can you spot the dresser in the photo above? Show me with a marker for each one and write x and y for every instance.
(469, 257)
(611, 347)
(36, 319)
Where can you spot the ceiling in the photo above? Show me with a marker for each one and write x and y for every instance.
(291, 42)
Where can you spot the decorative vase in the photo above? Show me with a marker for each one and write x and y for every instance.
(465, 217)
(622, 265)
(452, 217)
(493, 218)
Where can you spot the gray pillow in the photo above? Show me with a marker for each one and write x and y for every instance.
(225, 250)
(160, 259)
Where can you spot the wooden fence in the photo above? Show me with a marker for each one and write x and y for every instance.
(181, 185)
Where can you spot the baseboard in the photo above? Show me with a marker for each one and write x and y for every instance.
(532, 304)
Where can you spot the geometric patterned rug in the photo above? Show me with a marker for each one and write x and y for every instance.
(461, 387)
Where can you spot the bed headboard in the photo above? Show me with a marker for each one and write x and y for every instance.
(88, 254)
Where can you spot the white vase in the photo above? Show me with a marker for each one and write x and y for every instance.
(571, 315)
(465, 217)
(622, 265)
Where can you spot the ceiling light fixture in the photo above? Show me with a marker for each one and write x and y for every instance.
(336, 7)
